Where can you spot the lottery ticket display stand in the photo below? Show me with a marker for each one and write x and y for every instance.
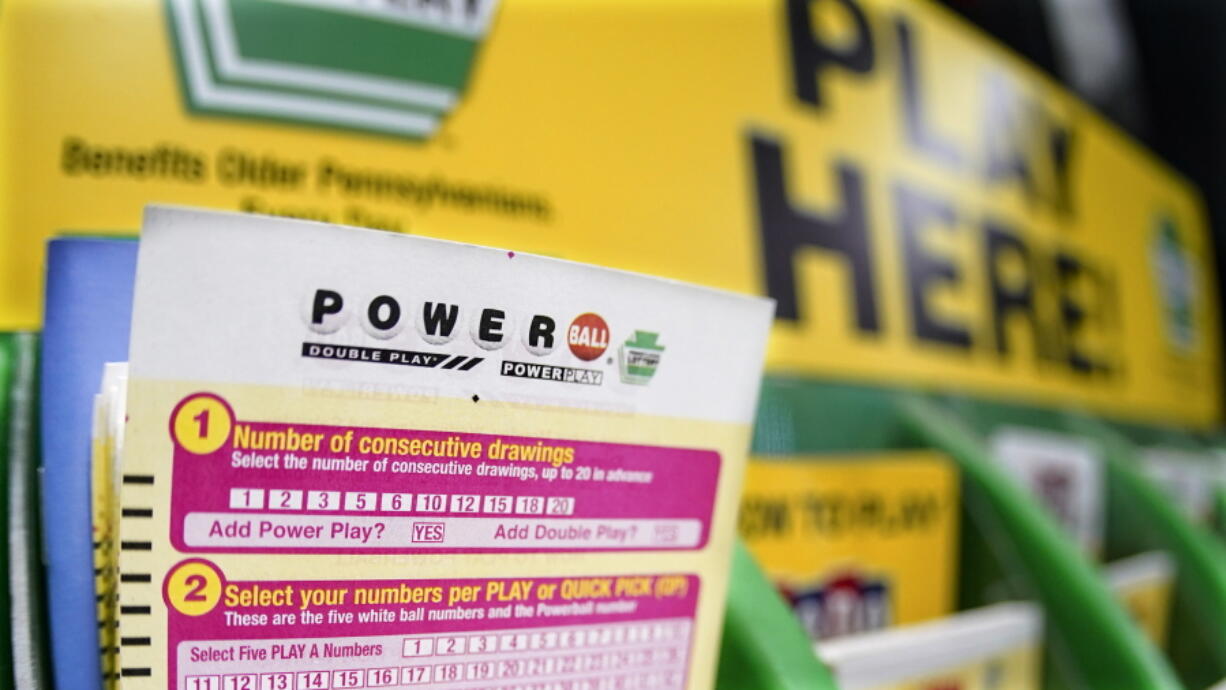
(1034, 559)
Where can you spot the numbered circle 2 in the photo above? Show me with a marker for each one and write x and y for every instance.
(201, 423)
(193, 588)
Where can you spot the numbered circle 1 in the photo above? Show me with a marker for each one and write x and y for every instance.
(193, 588)
(201, 423)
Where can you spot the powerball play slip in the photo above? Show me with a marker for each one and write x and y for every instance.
(356, 459)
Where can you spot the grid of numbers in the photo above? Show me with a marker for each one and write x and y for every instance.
(620, 656)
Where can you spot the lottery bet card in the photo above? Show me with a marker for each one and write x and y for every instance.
(357, 459)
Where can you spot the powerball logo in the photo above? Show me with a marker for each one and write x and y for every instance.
(386, 318)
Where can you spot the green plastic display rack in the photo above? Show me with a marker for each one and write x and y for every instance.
(1219, 512)
(763, 644)
(1146, 519)
(1141, 518)
(7, 367)
(1091, 643)
(30, 659)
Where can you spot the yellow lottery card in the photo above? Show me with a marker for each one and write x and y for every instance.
(356, 459)
(102, 495)
(107, 440)
(1144, 584)
(856, 543)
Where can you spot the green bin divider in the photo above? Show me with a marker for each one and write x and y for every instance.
(763, 645)
(1197, 637)
(31, 648)
(986, 416)
(1219, 511)
(1215, 442)
(1090, 637)
(7, 370)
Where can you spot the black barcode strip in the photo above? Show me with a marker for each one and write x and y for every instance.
(138, 479)
(135, 577)
(138, 512)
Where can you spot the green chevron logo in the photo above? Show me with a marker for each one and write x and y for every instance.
(393, 67)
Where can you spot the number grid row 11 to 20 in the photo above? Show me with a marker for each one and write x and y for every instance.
(320, 680)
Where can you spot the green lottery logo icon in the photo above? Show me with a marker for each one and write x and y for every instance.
(639, 357)
(1174, 272)
(378, 66)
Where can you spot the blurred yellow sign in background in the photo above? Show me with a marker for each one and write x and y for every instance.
(925, 208)
(856, 542)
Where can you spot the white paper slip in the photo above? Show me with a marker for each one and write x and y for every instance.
(1000, 642)
(363, 459)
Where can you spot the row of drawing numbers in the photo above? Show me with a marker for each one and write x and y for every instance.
(371, 501)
